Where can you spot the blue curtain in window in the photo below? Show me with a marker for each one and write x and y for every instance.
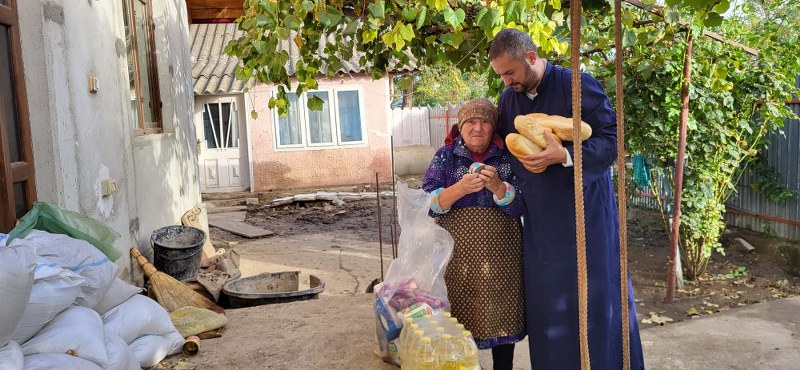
(289, 132)
(349, 116)
(319, 121)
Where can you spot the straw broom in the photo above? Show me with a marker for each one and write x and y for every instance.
(169, 292)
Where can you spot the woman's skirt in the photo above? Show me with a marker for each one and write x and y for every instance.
(484, 277)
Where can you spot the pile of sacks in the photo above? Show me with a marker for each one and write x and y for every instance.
(64, 308)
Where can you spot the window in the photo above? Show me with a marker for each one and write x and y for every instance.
(17, 184)
(142, 70)
(220, 126)
(339, 123)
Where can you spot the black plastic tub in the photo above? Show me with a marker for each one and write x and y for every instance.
(270, 287)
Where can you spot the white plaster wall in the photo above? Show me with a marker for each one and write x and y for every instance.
(80, 138)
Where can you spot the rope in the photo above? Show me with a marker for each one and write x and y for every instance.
(622, 189)
(580, 223)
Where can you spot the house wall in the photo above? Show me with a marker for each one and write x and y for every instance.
(304, 168)
(80, 138)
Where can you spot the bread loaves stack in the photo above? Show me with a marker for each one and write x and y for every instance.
(531, 139)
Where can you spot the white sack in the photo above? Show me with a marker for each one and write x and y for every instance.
(60, 361)
(16, 280)
(136, 317)
(120, 356)
(78, 330)
(54, 289)
(11, 357)
(151, 349)
(118, 292)
(80, 257)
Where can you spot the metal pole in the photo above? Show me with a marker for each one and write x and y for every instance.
(380, 234)
(394, 204)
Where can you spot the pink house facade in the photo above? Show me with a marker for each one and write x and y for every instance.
(346, 143)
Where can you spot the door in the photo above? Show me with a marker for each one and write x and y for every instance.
(17, 177)
(222, 145)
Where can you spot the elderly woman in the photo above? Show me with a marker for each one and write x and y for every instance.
(474, 198)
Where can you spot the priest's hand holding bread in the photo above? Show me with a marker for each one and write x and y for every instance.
(538, 143)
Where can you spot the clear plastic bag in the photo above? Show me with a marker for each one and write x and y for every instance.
(56, 220)
(414, 285)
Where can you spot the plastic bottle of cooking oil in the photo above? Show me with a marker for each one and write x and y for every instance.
(409, 350)
(425, 356)
(465, 344)
(448, 354)
(407, 338)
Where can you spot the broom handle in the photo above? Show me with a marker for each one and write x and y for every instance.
(147, 267)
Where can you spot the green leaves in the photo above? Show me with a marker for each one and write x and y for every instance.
(377, 9)
(437, 4)
(369, 35)
(628, 38)
(315, 103)
(330, 17)
(351, 29)
(421, 17)
(399, 35)
(713, 20)
(487, 18)
(514, 11)
(409, 14)
(453, 17)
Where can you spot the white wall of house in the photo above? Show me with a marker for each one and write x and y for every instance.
(80, 138)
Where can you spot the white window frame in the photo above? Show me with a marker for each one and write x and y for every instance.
(234, 116)
(336, 128)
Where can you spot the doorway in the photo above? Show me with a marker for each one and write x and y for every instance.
(222, 144)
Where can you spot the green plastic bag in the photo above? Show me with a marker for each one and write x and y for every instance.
(57, 220)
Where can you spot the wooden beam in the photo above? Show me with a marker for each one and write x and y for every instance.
(214, 9)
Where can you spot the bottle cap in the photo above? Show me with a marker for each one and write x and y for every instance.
(409, 319)
(419, 333)
(466, 333)
(447, 314)
(460, 326)
(440, 329)
(426, 340)
(447, 337)
(454, 320)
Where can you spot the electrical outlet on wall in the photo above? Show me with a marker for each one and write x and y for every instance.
(108, 187)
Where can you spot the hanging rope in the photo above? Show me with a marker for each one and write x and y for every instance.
(580, 223)
(622, 189)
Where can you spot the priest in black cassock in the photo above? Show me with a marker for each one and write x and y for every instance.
(550, 262)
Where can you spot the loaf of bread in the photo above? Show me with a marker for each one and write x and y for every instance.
(561, 126)
(520, 146)
(527, 127)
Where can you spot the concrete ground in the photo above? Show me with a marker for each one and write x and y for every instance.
(336, 330)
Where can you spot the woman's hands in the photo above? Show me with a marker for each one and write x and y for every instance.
(471, 183)
(486, 178)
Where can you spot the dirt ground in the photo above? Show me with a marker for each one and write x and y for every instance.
(339, 243)
(733, 280)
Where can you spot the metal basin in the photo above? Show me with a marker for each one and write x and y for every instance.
(270, 287)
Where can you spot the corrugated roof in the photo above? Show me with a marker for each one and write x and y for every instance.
(213, 70)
